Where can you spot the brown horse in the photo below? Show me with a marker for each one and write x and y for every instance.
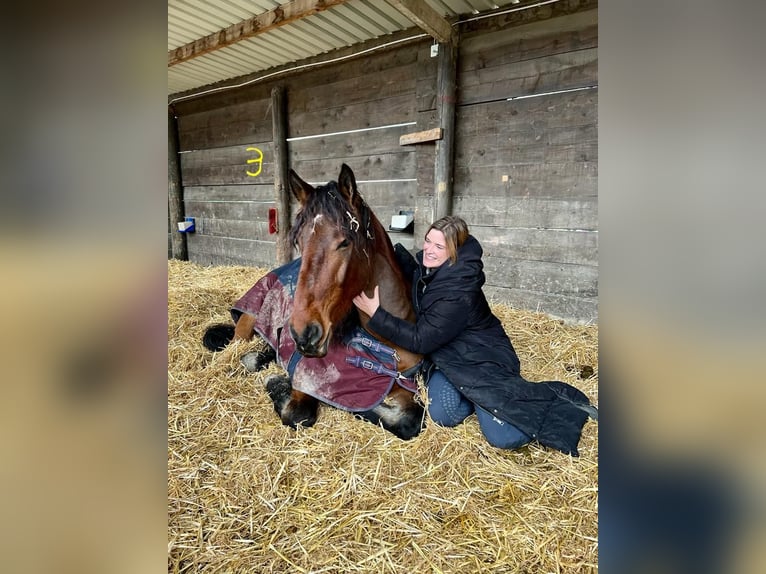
(344, 250)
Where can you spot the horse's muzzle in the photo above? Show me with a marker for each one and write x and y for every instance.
(310, 342)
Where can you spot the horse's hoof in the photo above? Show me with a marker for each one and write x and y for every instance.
(258, 360)
(278, 388)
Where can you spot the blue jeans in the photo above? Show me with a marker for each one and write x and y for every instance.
(448, 408)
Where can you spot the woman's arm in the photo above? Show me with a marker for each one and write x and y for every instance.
(443, 321)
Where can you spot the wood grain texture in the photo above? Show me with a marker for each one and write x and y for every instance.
(210, 250)
(553, 246)
(241, 123)
(571, 309)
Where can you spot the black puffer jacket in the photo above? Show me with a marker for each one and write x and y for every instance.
(456, 329)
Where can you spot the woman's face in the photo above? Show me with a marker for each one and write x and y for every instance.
(434, 249)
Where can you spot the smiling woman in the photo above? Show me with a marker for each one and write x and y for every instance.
(442, 241)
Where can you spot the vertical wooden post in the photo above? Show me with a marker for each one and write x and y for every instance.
(446, 95)
(175, 190)
(279, 128)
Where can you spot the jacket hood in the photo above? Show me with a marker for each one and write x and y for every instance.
(466, 274)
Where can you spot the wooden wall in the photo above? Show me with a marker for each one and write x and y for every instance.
(525, 170)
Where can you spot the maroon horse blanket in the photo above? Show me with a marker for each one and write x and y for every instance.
(356, 374)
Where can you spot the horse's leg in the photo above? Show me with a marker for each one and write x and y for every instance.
(245, 327)
(217, 336)
(293, 407)
(257, 360)
(399, 413)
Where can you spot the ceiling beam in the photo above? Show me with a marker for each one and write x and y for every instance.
(279, 16)
(426, 18)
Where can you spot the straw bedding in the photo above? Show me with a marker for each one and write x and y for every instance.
(247, 494)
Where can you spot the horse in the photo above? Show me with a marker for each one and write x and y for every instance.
(311, 319)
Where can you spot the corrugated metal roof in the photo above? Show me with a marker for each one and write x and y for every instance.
(346, 24)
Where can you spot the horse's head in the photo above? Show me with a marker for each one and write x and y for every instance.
(334, 232)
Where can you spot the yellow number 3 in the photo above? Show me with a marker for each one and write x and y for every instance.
(258, 160)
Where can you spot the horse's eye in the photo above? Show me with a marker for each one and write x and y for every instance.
(343, 244)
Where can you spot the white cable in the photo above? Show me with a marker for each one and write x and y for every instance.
(508, 11)
(301, 67)
(551, 93)
(351, 131)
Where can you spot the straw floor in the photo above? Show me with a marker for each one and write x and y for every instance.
(247, 494)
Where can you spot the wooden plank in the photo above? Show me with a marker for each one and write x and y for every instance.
(228, 165)
(495, 42)
(377, 166)
(554, 180)
(215, 193)
(388, 198)
(259, 263)
(575, 247)
(372, 87)
(426, 18)
(234, 228)
(516, 138)
(585, 152)
(532, 212)
(245, 251)
(389, 195)
(531, 116)
(247, 122)
(279, 16)
(369, 142)
(550, 73)
(394, 110)
(570, 309)
(239, 210)
(508, 45)
(542, 276)
(421, 137)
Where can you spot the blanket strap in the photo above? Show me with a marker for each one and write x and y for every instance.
(373, 366)
(376, 346)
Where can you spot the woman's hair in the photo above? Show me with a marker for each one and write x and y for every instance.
(455, 232)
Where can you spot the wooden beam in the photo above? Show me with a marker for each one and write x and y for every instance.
(279, 16)
(421, 137)
(426, 18)
(445, 148)
(281, 155)
(175, 190)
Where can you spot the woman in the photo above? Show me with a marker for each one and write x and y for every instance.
(477, 369)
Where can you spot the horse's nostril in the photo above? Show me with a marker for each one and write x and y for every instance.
(308, 340)
(314, 333)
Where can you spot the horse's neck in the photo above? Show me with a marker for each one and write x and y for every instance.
(394, 295)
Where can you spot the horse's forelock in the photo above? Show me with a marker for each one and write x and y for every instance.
(327, 201)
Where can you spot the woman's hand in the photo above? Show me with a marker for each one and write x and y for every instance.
(366, 304)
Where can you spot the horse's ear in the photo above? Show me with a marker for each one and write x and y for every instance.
(301, 190)
(347, 183)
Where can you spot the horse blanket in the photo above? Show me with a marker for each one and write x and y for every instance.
(356, 374)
